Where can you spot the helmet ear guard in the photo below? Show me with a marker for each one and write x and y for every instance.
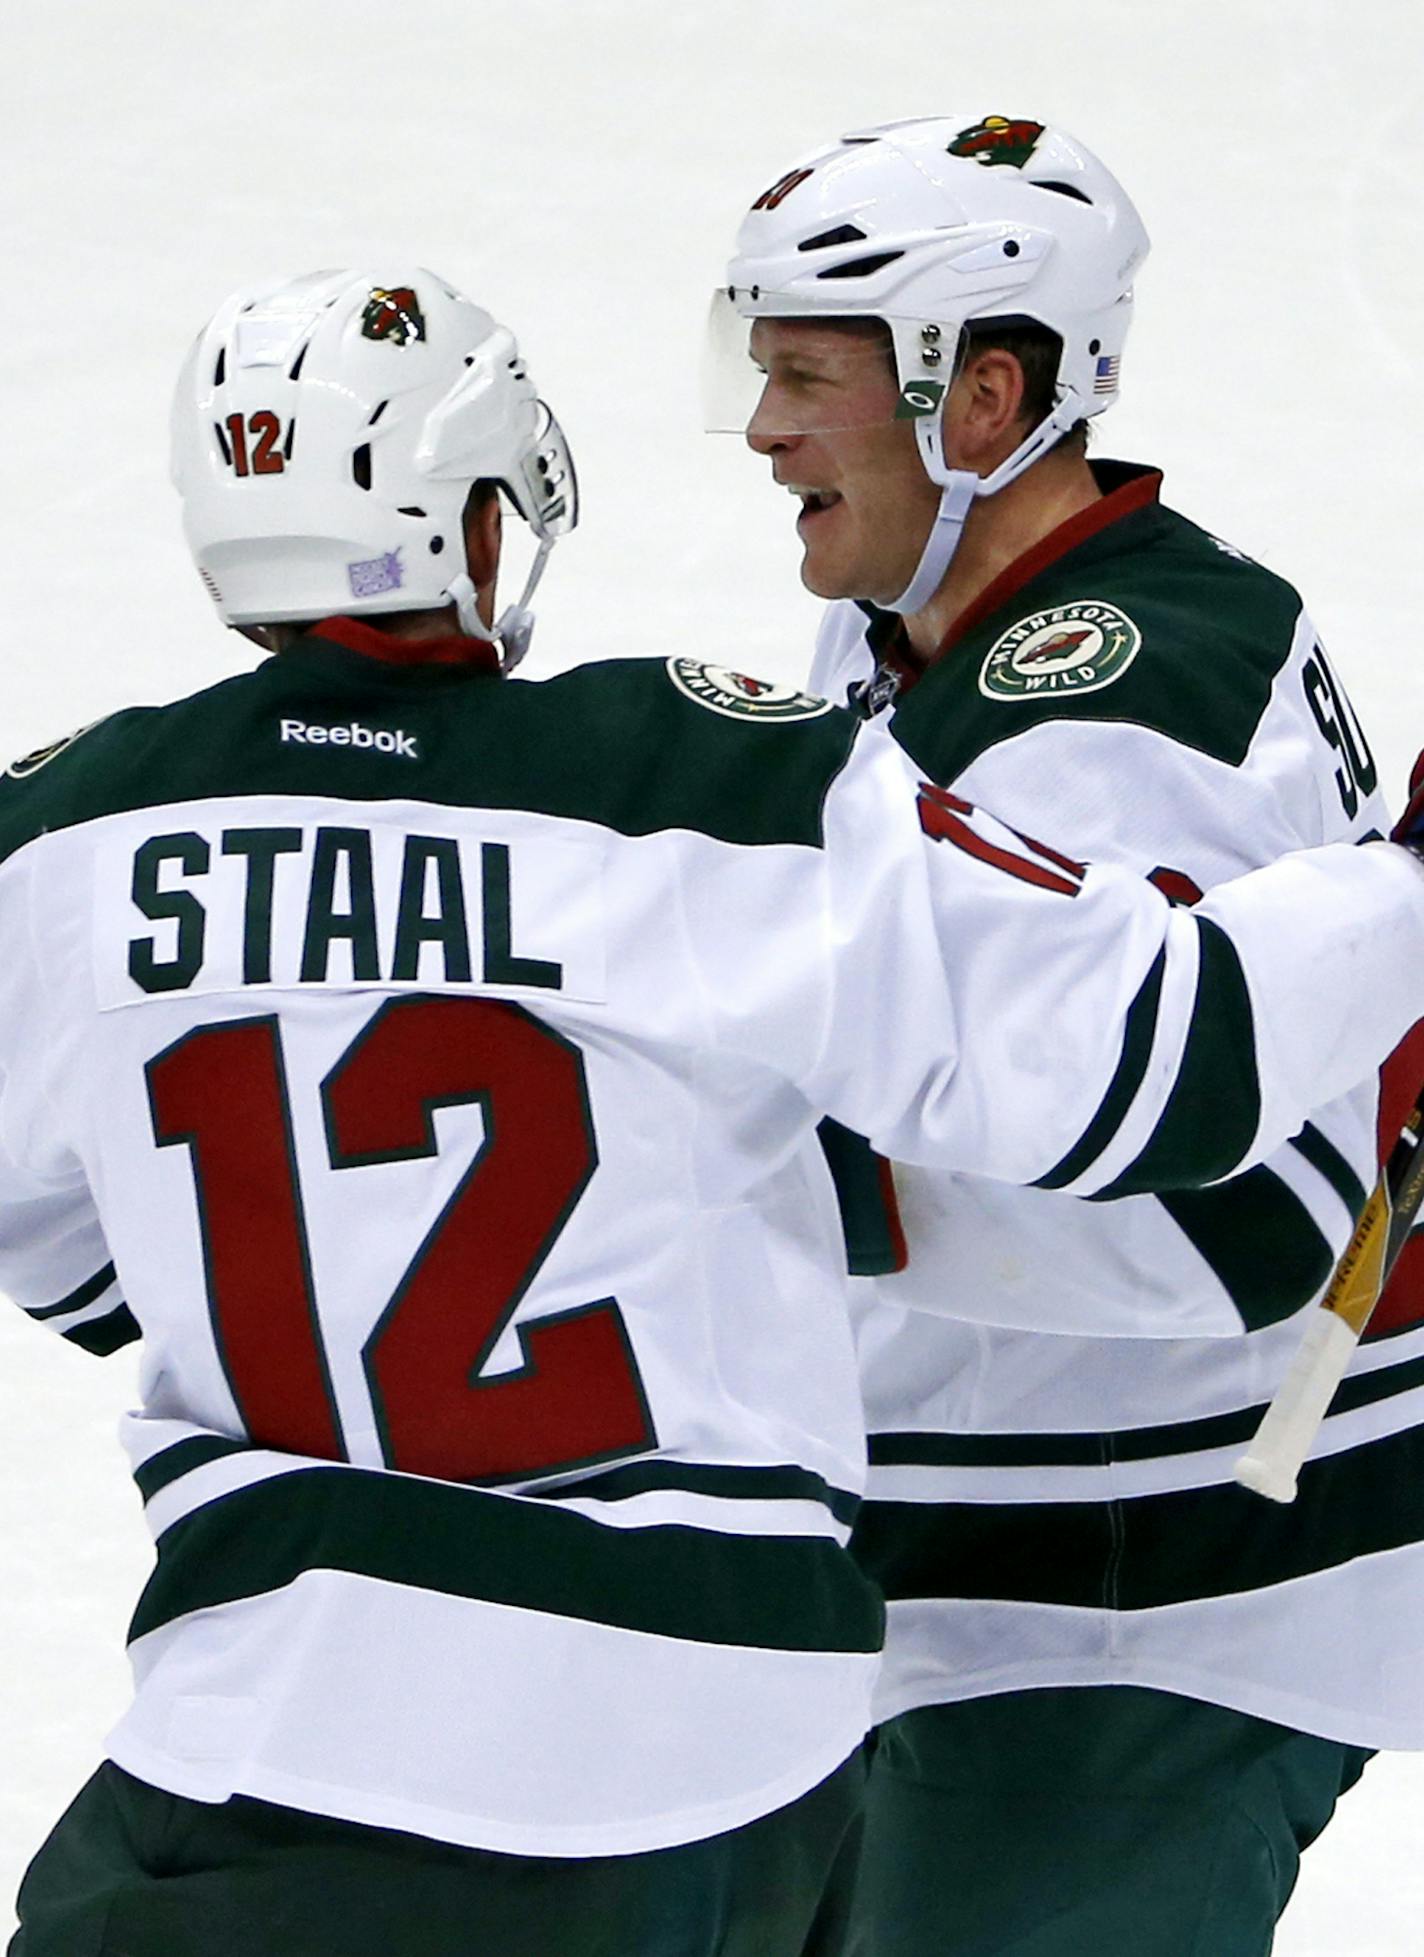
(326, 433)
(932, 226)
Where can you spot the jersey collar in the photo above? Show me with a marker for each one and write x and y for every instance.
(1128, 488)
(439, 649)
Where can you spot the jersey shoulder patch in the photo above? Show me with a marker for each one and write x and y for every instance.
(1163, 630)
(1080, 646)
(740, 696)
(40, 757)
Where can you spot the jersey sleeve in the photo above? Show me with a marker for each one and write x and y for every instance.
(1192, 1262)
(54, 1261)
(981, 1002)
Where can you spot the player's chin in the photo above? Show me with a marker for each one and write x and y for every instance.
(825, 574)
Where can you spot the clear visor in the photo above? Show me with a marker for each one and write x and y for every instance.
(548, 493)
(804, 374)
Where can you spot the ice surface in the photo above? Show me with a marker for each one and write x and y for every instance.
(579, 166)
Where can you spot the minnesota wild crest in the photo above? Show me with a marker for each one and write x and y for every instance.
(741, 697)
(1074, 648)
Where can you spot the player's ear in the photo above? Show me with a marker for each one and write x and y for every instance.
(483, 522)
(987, 398)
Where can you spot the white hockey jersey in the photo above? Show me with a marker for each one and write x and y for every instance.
(1059, 1510)
(423, 1066)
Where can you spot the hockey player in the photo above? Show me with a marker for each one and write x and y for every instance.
(1120, 1693)
(424, 1065)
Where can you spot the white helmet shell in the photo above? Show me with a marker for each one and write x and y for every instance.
(935, 222)
(326, 432)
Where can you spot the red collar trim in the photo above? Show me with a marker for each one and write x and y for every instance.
(440, 649)
(1110, 509)
(1137, 494)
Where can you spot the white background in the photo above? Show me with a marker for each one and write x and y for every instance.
(580, 169)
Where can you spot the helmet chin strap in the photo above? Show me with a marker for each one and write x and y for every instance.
(514, 627)
(960, 487)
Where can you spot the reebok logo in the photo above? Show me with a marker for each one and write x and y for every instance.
(384, 740)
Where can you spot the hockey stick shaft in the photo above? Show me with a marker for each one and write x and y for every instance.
(1272, 1463)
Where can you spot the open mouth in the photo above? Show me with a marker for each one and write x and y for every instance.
(814, 505)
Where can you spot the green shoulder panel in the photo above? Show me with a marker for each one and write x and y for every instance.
(1153, 623)
(645, 745)
(70, 779)
(635, 745)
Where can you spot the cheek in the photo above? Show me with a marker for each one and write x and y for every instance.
(891, 491)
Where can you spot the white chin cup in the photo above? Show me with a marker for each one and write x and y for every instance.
(960, 487)
(514, 627)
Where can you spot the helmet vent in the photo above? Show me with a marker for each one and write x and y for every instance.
(220, 371)
(377, 412)
(1065, 190)
(410, 509)
(211, 586)
(361, 465)
(295, 373)
(861, 268)
(291, 438)
(222, 443)
(844, 234)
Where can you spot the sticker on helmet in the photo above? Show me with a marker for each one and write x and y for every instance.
(30, 764)
(918, 398)
(780, 190)
(373, 575)
(393, 314)
(1074, 648)
(1105, 376)
(998, 139)
(741, 697)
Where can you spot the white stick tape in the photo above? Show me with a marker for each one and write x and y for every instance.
(1290, 1423)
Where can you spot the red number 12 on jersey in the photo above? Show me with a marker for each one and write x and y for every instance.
(578, 1397)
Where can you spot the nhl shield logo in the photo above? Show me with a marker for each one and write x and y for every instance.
(1075, 648)
(741, 697)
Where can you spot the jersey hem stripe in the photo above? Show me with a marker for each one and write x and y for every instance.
(777, 1593)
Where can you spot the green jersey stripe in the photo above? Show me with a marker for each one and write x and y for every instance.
(1078, 1450)
(1268, 1252)
(172, 1462)
(1153, 1550)
(1322, 1155)
(82, 1295)
(106, 1335)
(778, 1484)
(1215, 1108)
(731, 1483)
(870, 1223)
(785, 1593)
(1136, 1052)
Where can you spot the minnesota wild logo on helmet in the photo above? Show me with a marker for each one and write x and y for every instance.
(393, 315)
(998, 139)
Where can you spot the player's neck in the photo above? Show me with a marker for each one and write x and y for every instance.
(997, 532)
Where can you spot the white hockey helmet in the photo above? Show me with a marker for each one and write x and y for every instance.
(326, 433)
(929, 225)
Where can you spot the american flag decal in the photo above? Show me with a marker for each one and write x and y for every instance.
(1106, 380)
